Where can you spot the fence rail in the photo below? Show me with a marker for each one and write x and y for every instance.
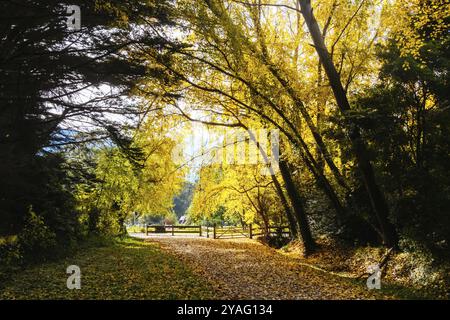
(272, 230)
(173, 229)
(220, 232)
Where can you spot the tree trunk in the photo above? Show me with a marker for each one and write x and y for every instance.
(289, 214)
(299, 209)
(377, 199)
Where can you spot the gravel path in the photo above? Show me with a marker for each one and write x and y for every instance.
(246, 269)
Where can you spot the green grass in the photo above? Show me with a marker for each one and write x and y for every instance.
(408, 293)
(136, 229)
(120, 269)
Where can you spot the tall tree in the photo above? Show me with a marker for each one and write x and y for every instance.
(377, 199)
(60, 86)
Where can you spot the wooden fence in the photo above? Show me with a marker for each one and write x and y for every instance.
(220, 232)
(173, 229)
(283, 231)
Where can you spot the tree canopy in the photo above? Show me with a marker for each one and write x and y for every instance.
(95, 124)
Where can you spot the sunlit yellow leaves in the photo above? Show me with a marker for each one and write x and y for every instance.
(413, 20)
(146, 186)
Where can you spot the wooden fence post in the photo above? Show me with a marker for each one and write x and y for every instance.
(207, 231)
(200, 230)
(173, 231)
(250, 231)
(214, 231)
(146, 229)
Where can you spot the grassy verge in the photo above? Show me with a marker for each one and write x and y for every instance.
(120, 269)
(396, 291)
(351, 262)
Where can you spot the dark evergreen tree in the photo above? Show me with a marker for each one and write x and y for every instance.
(60, 86)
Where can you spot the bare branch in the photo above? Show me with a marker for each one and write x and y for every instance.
(267, 5)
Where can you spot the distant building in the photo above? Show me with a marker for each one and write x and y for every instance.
(182, 220)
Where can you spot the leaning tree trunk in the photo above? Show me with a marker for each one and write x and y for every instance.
(377, 199)
(299, 208)
(289, 214)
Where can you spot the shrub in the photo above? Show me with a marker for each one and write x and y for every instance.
(10, 253)
(274, 240)
(36, 240)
